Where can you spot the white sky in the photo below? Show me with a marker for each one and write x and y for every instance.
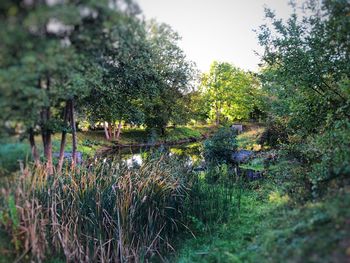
(216, 29)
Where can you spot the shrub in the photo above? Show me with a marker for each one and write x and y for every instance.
(274, 134)
(10, 154)
(324, 156)
(219, 148)
(329, 155)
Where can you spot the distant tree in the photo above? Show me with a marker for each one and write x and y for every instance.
(197, 106)
(124, 54)
(229, 92)
(173, 79)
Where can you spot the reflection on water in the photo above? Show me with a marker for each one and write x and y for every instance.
(134, 160)
(190, 153)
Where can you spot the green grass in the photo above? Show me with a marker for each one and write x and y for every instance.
(257, 164)
(132, 135)
(88, 142)
(270, 229)
(180, 133)
(249, 140)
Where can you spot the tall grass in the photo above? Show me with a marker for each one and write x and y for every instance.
(106, 212)
(209, 203)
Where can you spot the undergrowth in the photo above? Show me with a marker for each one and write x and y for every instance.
(272, 226)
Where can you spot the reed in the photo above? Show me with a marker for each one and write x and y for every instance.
(106, 212)
(211, 201)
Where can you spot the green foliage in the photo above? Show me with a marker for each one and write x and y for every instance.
(229, 93)
(250, 139)
(11, 153)
(6, 254)
(275, 133)
(327, 155)
(257, 164)
(304, 73)
(209, 202)
(307, 85)
(219, 148)
(270, 231)
(179, 133)
(13, 212)
(169, 101)
(126, 69)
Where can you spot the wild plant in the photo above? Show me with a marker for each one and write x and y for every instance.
(106, 212)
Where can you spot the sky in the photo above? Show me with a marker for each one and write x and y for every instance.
(216, 29)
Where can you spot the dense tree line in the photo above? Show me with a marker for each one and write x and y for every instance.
(95, 57)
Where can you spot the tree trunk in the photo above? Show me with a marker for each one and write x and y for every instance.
(110, 130)
(217, 113)
(33, 148)
(114, 131)
(49, 153)
(119, 130)
(217, 118)
(46, 133)
(46, 137)
(74, 133)
(64, 135)
(105, 126)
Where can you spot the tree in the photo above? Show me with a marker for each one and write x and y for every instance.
(124, 54)
(172, 80)
(306, 61)
(306, 77)
(51, 71)
(36, 59)
(229, 92)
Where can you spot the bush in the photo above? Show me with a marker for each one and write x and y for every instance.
(329, 155)
(274, 134)
(321, 161)
(219, 148)
(10, 154)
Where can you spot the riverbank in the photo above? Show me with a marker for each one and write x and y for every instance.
(236, 219)
(278, 219)
(271, 228)
(89, 142)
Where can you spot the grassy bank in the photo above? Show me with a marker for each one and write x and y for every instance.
(280, 219)
(270, 228)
